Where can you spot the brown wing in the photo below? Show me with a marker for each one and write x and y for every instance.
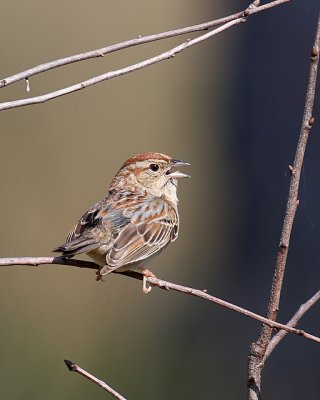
(138, 241)
(134, 231)
(94, 229)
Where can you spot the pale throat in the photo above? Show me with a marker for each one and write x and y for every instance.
(162, 187)
(170, 192)
(166, 189)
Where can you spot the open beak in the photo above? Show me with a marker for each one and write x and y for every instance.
(173, 173)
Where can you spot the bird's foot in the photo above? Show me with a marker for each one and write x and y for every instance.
(146, 274)
(98, 276)
(105, 270)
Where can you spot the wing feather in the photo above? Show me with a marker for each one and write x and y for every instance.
(146, 239)
(94, 229)
(132, 230)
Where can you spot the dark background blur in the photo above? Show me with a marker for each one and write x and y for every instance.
(232, 106)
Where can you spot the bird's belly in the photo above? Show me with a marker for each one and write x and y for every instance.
(99, 255)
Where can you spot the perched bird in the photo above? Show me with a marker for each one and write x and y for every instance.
(136, 221)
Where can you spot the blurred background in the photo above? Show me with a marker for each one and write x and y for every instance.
(231, 106)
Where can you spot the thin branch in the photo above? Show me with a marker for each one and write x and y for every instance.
(133, 42)
(258, 349)
(303, 309)
(34, 261)
(231, 20)
(202, 294)
(75, 368)
(113, 74)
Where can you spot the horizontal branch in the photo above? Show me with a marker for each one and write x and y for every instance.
(34, 261)
(75, 368)
(227, 23)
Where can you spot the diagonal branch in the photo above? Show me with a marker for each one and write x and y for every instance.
(227, 23)
(75, 368)
(258, 349)
(303, 309)
(114, 74)
(133, 42)
(34, 261)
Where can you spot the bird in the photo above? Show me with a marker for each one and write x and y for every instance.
(135, 222)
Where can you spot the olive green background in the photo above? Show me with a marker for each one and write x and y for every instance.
(58, 158)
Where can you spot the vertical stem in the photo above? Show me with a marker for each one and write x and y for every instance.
(258, 348)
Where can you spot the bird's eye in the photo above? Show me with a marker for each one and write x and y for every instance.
(154, 167)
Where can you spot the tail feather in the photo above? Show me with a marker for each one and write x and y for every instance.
(78, 246)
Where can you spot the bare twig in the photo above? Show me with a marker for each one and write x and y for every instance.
(227, 23)
(113, 74)
(75, 368)
(133, 42)
(258, 349)
(34, 261)
(303, 309)
(202, 294)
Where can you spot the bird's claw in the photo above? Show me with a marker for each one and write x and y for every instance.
(98, 276)
(145, 289)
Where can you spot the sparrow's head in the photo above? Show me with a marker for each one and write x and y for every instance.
(154, 172)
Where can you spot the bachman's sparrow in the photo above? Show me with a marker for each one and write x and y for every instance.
(136, 221)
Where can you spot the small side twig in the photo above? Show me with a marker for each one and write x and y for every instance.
(303, 309)
(75, 368)
(34, 261)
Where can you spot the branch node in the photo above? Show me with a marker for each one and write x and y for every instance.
(251, 6)
(314, 53)
(310, 123)
(70, 365)
(291, 169)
